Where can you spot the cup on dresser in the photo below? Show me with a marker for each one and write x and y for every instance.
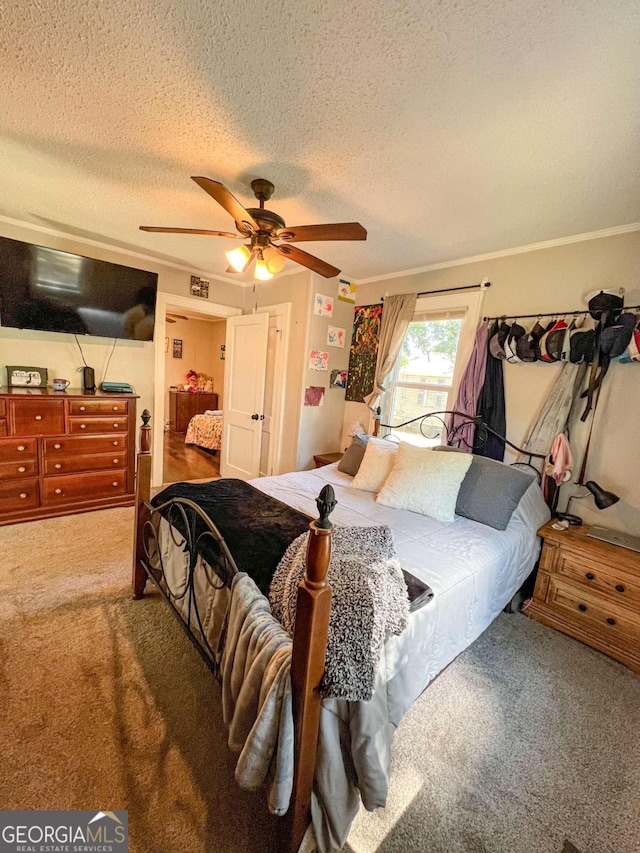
(60, 384)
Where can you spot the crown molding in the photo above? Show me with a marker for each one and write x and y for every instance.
(87, 241)
(503, 253)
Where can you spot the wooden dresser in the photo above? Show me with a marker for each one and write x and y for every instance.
(591, 591)
(183, 405)
(64, 452)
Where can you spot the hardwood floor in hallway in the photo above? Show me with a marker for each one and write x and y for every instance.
(186, 461)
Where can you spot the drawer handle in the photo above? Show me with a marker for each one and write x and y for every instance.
(21, 447)
(22, 469)
(115, 426)
(115, 443)
(114, 483)
(38, 417)
(115, 461)
(83, 426)
(582, 607)
(23, 495)
(611, 620)
(115, 408)
(58, 466)
(619, 587)
(58, 491)
(57, 446)
(82, 408)
(590, 576)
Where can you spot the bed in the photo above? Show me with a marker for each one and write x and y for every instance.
(341, 754)
(205, 430)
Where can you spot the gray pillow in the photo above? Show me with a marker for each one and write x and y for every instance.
(352, 459)
(490, 490)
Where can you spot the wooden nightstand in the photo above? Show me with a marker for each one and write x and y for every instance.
(327, 459)
(591, 591)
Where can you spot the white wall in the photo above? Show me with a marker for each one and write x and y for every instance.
(558, 279)
(132, 361)
(321, 426)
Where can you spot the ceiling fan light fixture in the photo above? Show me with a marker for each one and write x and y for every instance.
(238, 257)
(274, 261)
(262, 272)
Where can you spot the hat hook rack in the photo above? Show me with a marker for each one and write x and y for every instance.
(554, 314)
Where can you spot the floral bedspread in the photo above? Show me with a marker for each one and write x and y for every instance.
(205, 431)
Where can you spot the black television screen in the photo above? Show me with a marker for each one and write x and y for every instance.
(55, 291)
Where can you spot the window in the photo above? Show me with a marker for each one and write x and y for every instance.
(434, 352)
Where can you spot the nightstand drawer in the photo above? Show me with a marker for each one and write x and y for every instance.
(591, 612)
(599, 578)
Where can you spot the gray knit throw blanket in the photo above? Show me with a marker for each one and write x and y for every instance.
(369, 599)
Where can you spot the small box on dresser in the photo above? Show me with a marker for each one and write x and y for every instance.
(590, 590)
(64, 452)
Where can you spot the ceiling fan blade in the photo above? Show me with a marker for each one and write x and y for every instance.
(169, 320)
(176, 316)
(191, 231)
(335, 231)
(230, 203)
(307, 260)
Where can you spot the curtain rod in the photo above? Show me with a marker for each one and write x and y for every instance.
(552, 314)
(481, 286)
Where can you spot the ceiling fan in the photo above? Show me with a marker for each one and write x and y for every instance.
(173, 318)
(268, 236)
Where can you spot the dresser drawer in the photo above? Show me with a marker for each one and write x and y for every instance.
(18, 495)
(82, 426)
(65, 445)
(98, 407)
(83, 487)
(3, 428)
(599, 578)
(12, 470)
(590, 612)
(91, 462)
(17, 449)
(37, 417)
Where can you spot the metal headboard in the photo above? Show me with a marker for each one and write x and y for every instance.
(481, 435)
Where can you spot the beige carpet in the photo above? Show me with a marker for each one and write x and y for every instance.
(104, 703)
(528, 740)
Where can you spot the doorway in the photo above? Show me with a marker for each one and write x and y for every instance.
(180, 348)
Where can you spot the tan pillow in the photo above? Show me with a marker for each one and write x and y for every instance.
(376, 464)
(422, 482)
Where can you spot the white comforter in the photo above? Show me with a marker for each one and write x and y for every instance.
(473, 570)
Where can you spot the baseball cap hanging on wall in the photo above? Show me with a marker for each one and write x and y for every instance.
(605, 307)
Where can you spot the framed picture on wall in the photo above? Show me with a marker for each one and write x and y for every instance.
(177, 347)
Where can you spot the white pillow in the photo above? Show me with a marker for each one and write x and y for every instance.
(421, 482)
(376, 464)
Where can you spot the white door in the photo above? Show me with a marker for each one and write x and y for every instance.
(244, 378)
(276, 367)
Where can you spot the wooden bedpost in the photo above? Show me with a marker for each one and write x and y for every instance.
(143, 493)
(307, 664)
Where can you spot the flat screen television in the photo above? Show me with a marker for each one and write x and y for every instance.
(55, 291)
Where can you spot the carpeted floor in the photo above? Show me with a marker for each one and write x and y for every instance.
(527, 741)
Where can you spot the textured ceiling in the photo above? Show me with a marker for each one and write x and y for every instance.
(447, 128)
